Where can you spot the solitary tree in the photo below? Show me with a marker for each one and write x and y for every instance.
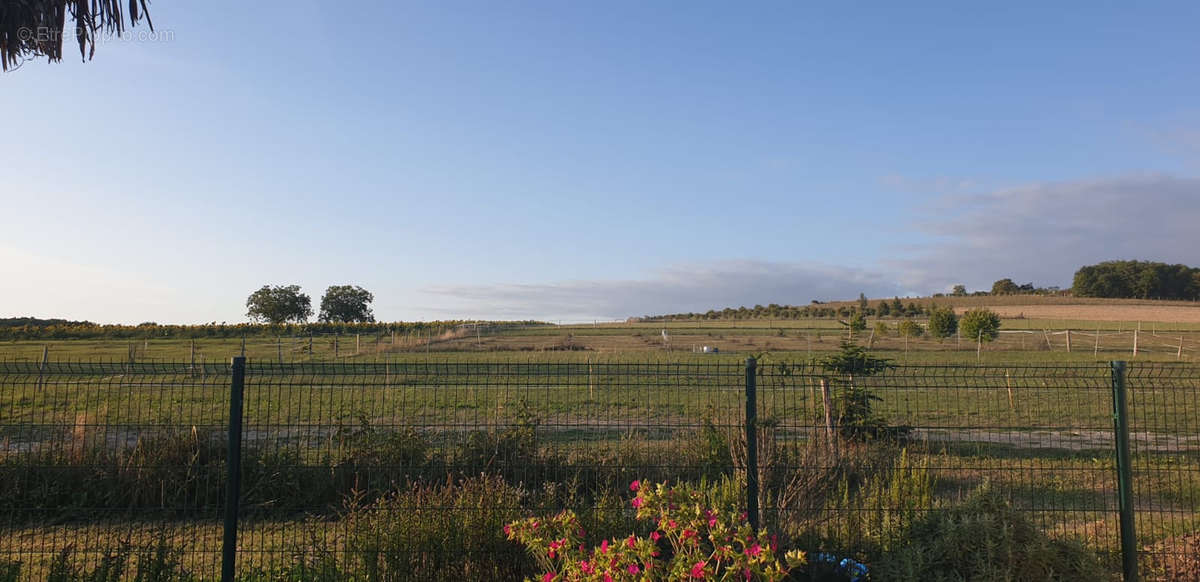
(347, 304)
(959, 291)
(279, 304)
(982, 324)
(1005, 287)
(910, 328)
(942, 322)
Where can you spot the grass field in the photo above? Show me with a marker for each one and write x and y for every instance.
(595, 404)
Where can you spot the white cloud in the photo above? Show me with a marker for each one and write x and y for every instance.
(1043, 232)
(682, 288)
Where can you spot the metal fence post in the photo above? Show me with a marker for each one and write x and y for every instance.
(752, 443)
(1129, 564)
(234, 466)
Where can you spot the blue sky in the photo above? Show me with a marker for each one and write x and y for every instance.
(577, 161)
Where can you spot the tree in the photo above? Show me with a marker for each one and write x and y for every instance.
(942, 322)
(35, 29)
(910, 328)
(884, 308)
(347, 304)
(279, 304)
(857, 323)
(981, 324)
(856, 419)
(959, 291)
(897, 307)
(862, 302)
(1005, 287)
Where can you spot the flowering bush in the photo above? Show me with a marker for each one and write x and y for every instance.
(689, 541)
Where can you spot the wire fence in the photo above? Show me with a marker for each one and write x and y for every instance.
(403, 470)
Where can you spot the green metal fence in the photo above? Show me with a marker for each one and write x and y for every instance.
(381, 471)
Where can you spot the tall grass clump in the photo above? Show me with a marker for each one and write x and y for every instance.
(451, 531)
(985, 539)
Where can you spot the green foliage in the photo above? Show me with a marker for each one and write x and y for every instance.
(857, 419)
(985, 539)
(959, 291)
(884, 309)
(981, 323)
(1137, 279)
(441, 532)
(882, 328)
(160, 563)
(710, 448)
(854, 359)
(910, 328)
(1005, 287)
(279, 304)
(943, 323)
(886, 505)
(10, 570)
(857, 322)
(346, 304)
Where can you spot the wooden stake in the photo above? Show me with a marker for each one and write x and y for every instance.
(1068, 341)
(193, 364)
(42, 367)
(1135, 338)
(1096, 350)
(357, 344)
(1179, 354)
(1046, 334)
(979, 346)
(1008, 384)
(827, 401)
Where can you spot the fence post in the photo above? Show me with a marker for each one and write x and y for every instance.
(752, 442)
(1124, 474)
(234, 466)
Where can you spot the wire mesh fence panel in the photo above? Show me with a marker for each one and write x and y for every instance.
(1164, 411)
(859, 458)
(410, 470)
(111, 467)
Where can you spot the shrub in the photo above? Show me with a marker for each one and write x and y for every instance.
(689, 539)
(910, 328)
(982, 324)
(442, 532)
(942, 322)
(985, 539)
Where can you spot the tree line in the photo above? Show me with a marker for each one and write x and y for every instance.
(1137, 280)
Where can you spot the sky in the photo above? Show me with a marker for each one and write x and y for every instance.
(572, 161)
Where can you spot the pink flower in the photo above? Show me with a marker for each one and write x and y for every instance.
(630, 541)
(712, 518)
(774, 545)
(637, 502)
(507, 530)
(604, 547)
(654, 535)
(754, 550)
(635, 485)
(698, 570)
(671, 523)
(607, 578)
(633, 569)
(548, 576)
(687, 533)
(746, 573)
(586, 567)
